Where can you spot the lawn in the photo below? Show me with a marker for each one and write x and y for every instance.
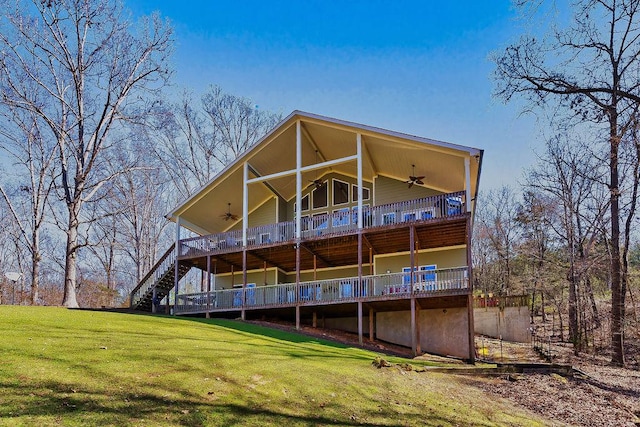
(73, 367)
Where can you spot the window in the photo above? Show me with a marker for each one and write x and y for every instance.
(340, 217)
(320, 221)
(389, 218)
(340, 192)
(406, 278)
(366, 216)
(320, 196)
(429, 274)
(418, 214)
(305, 204)
(365, 193)
(265, 238)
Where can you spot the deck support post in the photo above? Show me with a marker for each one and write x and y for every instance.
(360, 292)
(360, 322)
(414, 341)
(208, 314)
(315, 320)
(264, 269)
(176, 268)
(418, 346)
(297, 296)
(371, 324)
(472, 341)
(153, 301)
(243, 315)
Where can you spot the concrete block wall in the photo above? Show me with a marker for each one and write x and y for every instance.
(510, 323)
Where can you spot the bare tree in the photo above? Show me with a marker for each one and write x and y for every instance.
(537, 242)
(590, 68)
(22, 139)
(96, 70)
(197, 138)
(498, 227)
(569, 175)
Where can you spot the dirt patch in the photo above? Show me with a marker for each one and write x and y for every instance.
(604, 396)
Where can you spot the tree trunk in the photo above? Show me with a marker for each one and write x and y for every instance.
(574, 332)
(70, 268)
(617, 298)
(35, 265)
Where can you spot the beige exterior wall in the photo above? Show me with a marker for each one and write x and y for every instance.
(333, 273)
(223, 281)
(391, 190)
(442, 331)
(265, 214)
(442, 258)
(510, 323)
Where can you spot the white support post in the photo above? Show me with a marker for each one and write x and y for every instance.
(359, 167)
(245, 204)
(298, 180)
(176, 273)
(467, 182)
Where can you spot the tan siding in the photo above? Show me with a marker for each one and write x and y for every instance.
(223, 281)
(264, 215)
(448, 258)
(390, 191)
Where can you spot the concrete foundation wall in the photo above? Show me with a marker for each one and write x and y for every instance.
(443, 332)
(349, 324)
(510, 323)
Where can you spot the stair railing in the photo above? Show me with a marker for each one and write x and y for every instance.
(165, 262)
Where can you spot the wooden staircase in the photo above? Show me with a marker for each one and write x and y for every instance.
(161, 279)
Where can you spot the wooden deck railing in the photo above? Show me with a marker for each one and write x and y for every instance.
(324, 292)
(343, 222)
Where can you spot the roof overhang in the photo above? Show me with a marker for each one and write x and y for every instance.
(323, 140)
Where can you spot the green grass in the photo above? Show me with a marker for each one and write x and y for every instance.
(69, 367)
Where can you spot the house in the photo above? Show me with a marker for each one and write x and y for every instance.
(337, 224)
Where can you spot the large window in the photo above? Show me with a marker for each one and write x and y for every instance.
(365, 193)
(340, 192)
(320, 196)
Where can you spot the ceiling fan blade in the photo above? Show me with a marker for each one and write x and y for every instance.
(419, 178)
(410, 184)
(419, 181)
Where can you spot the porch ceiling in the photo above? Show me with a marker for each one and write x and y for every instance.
(385, 153)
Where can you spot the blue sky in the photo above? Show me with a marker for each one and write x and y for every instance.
(419, 67)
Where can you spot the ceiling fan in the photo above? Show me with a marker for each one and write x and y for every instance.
(228, 215)
(413, 179)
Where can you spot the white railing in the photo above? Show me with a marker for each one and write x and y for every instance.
(164, 264)
(330, 291)
(425, 209)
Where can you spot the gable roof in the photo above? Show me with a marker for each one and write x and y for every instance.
(385, 153)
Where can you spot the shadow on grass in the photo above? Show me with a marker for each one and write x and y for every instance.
(38, 403)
